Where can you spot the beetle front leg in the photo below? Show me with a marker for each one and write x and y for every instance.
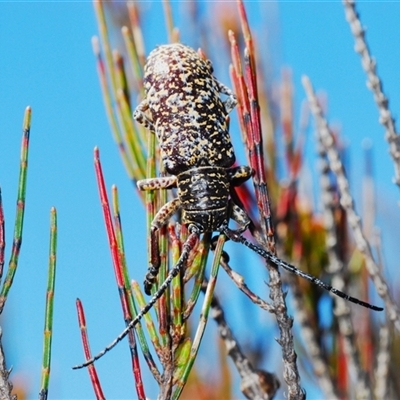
(239, 175)
(158, 183)
(239, 216)
(231, 102)
(163, 215)
(140, 116)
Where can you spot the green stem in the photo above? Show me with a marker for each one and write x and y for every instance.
(19, 219)
(48, 322)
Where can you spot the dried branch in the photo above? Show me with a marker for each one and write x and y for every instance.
(347, 202)
(5, 385)
(381, 390)
(238, 280)
(342, 309)
(375, 85)
(255, 385)
(317, 359)
(383, 357)
(245, 83)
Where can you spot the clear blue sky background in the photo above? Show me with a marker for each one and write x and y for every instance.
(46, 62)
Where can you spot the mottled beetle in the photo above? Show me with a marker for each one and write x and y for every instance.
(183, 108)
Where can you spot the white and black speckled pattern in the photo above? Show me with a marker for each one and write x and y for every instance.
(183, 107)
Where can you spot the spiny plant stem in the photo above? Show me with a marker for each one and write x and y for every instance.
(342, 309)
(375, 85)
(250, 114)
(251, 381)
(5, 384)
(347, 202)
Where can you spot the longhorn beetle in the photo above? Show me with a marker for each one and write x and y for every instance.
(184, 109)
(186, 113)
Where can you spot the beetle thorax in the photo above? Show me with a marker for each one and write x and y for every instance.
(204, 196)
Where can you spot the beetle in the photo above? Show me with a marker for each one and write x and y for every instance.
(183, 107)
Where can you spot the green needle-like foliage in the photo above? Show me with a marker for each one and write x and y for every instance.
(48, 323)
(19, 219)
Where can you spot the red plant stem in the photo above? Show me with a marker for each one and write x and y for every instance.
(248, 40)
(257, 153)
(86, 349)
(118, 272)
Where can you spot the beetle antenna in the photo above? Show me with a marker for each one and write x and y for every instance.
(237, 237)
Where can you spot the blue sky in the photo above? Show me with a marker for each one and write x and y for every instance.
(46, 62)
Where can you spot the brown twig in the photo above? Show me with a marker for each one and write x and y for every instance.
(347, 202)
(375, 85)
(5, 385)
(342, 309)
(255, 385)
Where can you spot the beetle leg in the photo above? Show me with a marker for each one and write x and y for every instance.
(161, 219)
(239, 175)
(160, 182)
(140, 116)
(239, 216)
(231, 102)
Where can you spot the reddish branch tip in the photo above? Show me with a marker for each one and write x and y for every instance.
(231, 36)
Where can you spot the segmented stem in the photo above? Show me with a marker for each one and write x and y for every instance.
(108, 103)
(177, 294)
(342, 309)
(127, 293)
(253, 383)
(250, 113)
(151, 329)
(198, 267)
(347, 202)
(203, 318)
(118, 271)
(98, 391)
(187, 247)
(48, 322)
(19, 218)
(114, 87)
(375, 85)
